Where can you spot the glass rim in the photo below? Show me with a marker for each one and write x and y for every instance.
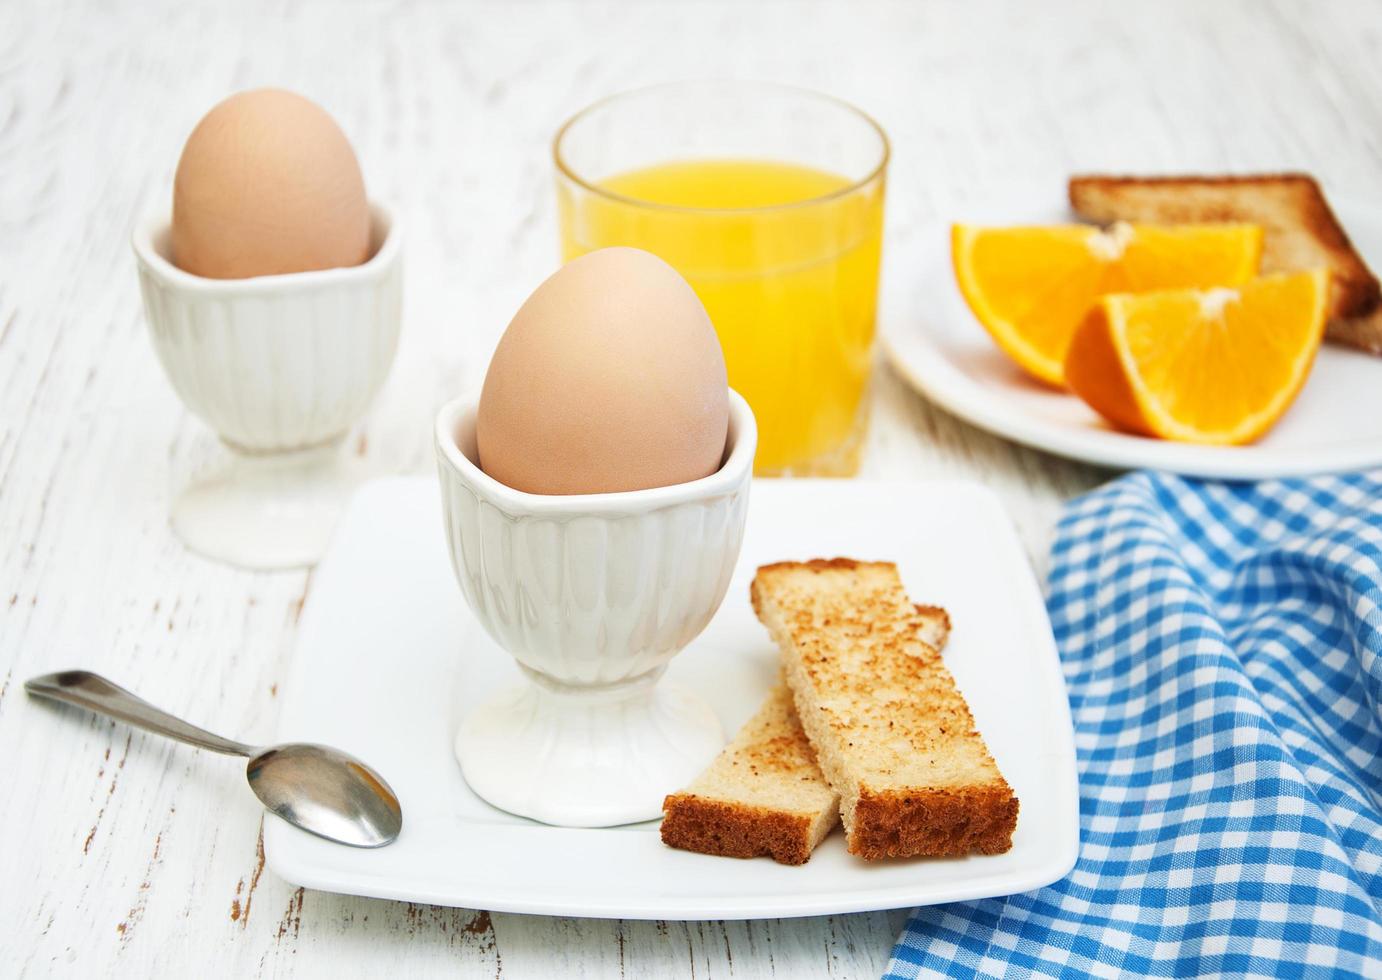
(564, 169)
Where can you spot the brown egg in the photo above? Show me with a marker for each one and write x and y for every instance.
(609, 378)
(268, 184)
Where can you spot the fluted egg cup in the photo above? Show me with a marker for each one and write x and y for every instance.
(593, 595)
(280, 367)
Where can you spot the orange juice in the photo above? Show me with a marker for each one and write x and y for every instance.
(785, 259)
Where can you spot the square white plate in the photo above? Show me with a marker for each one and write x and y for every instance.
(390, 658)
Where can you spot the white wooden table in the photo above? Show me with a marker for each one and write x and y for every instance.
(127, 854)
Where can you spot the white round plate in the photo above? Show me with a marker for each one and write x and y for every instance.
(941, 349)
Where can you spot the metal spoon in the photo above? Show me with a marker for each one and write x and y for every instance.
(320, 789)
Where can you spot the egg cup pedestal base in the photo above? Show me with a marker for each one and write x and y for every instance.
(268, 510)
(587, 756)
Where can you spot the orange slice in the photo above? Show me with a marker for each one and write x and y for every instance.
(1031, 287)
(1215, 366)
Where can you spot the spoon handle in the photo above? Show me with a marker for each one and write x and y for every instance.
(94, 693)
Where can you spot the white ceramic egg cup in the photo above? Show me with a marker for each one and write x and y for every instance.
(593, 595)
(281, 367)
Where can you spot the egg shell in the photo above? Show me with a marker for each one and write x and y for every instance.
(268, 184)
(609, 378)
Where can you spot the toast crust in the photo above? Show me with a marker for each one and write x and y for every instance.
(694, 823)
(1301, 228)
(1362, 332)
(933, 823)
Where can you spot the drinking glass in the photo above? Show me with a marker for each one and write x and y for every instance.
(769, 200)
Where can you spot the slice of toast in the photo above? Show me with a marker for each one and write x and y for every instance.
(1300, 231)
(891, 732)
(763, 795)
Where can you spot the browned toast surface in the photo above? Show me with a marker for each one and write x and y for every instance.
(1363, 332)
(763, 795)
(891, 732)
(1300, 230)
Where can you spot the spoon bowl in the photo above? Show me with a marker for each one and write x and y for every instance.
(326, 792)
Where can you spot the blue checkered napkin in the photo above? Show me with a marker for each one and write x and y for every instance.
(1222, 644)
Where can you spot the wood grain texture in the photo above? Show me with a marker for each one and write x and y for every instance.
(129, 855)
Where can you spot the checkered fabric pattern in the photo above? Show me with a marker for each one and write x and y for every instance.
(1222, 645)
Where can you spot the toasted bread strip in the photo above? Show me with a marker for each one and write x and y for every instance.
(1300, 231)
(763, 795)
(891, 732)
